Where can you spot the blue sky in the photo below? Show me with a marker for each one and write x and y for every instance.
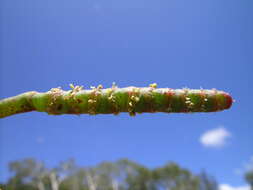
(175, 43)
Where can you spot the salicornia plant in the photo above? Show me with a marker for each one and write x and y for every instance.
(115, 100)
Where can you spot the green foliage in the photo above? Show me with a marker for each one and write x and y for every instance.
(123, 174)
(249, 178)
(207, 182)
(171, 176)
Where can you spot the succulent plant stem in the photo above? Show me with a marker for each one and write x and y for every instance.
(115, 100)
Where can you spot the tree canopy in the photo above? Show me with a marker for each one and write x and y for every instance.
(29, 174)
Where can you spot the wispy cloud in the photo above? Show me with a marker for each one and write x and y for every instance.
(246, 166)
(40, 140)
(229, 187)
(215, 137)
(249, 165)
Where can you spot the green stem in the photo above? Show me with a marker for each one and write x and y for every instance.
(115, 100)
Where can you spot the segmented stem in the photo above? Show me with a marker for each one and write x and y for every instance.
(115, 100)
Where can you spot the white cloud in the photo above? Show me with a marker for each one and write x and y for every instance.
(215, 137)
(229, 187)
